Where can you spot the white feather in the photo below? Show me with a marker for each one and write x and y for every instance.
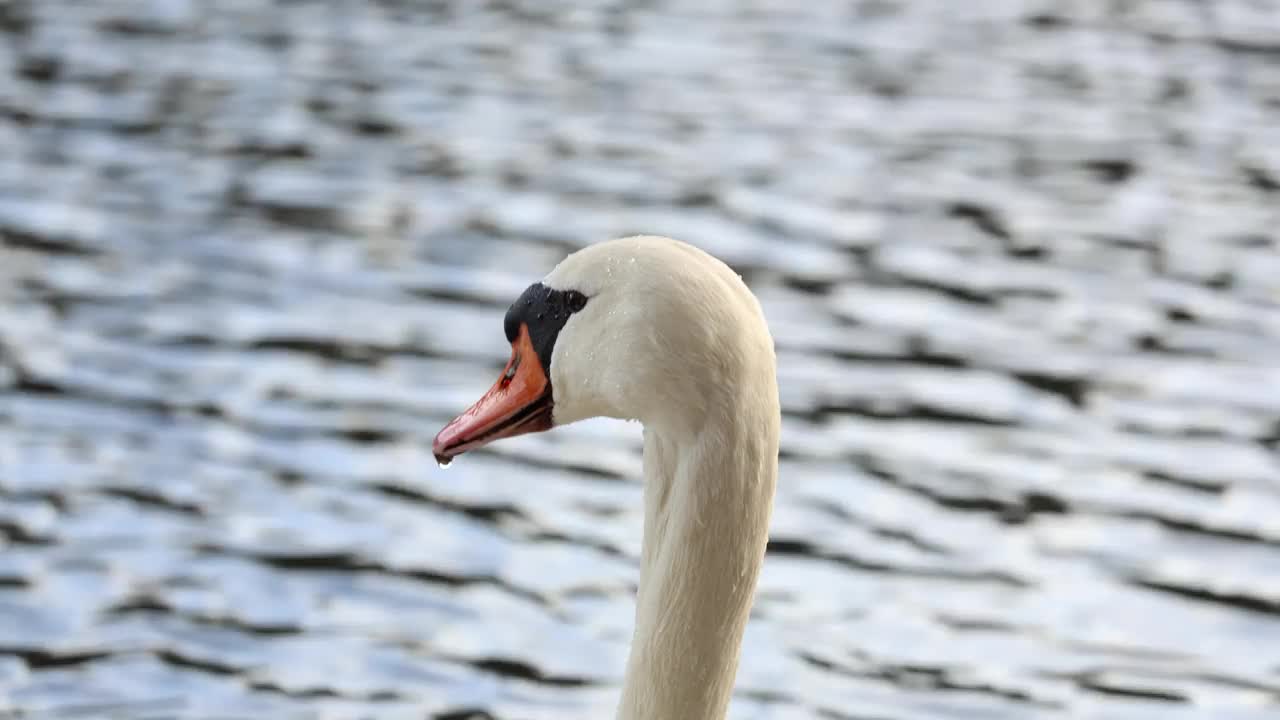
(672, 337)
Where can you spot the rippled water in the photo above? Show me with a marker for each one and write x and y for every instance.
(1020, 259)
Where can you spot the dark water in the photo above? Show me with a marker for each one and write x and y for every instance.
(1020, 259)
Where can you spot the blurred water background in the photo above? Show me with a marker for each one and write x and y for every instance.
(1020, 258)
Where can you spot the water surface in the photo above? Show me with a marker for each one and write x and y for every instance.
(1020, 262)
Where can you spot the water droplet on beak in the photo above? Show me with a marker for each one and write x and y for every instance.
(444, 461)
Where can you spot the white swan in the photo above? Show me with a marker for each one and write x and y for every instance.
(651, 329)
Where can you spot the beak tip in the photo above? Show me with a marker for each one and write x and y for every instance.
(440, 446)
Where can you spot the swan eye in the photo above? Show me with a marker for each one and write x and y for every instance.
(542, 312)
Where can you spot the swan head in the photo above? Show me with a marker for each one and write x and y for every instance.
(642, 328)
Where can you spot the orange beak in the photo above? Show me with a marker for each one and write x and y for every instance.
(519, 403)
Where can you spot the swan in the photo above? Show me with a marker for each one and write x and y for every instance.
(652, 329)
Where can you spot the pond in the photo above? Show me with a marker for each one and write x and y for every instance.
(1020, 262)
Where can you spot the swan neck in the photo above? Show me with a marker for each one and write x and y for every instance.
(707, 502)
